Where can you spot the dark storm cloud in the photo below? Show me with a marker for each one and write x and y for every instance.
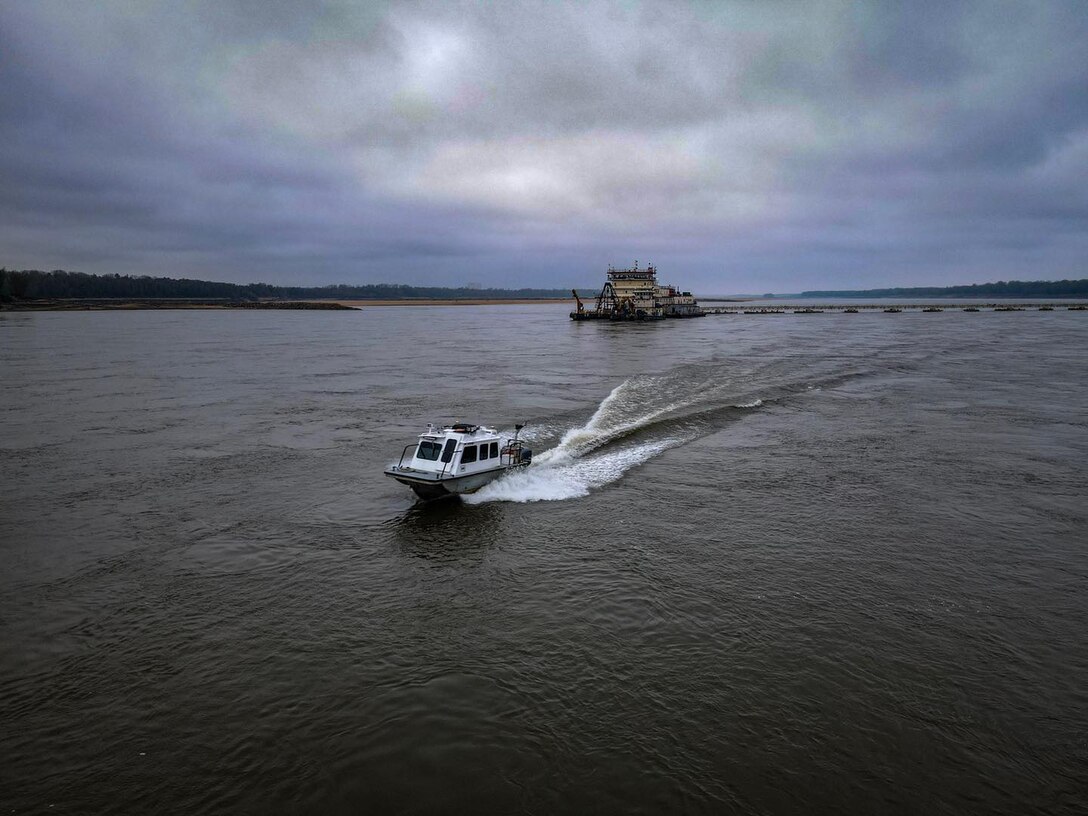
(744, 147)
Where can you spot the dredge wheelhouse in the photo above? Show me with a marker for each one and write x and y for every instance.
(459, 458)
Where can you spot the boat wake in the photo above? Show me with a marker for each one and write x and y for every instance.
(640, 419)
(575, 479)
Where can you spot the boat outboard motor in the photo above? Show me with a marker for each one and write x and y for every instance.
(525, 456)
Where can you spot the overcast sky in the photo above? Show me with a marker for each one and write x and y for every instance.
(741, 146)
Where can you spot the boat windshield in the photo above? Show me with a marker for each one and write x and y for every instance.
(429, 450)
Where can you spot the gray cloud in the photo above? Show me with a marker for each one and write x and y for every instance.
(744, 147)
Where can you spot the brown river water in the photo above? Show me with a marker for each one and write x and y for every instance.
(835, 563)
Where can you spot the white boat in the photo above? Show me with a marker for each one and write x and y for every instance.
(459, 458)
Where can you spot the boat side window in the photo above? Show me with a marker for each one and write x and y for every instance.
(494, 450)
(468, 455)
(428, 450)
(483, 452)
(447, 453)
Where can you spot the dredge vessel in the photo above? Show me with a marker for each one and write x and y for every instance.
(635, 294)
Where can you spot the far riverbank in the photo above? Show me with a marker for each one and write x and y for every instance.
(357, 304)
(95, 304)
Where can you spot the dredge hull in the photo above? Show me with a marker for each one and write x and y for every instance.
(617, 316)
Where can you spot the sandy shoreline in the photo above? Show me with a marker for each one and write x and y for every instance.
(359, 304)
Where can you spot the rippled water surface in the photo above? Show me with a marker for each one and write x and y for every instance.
(827, 563)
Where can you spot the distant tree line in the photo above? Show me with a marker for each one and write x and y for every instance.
(31, 284)
(1030, 289)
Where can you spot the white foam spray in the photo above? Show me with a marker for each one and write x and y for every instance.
(622, 411)
(556, 482)
(577, 464)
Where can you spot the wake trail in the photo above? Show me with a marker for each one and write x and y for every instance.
(611, 442)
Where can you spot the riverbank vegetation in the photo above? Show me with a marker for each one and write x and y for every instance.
(1000, 289)
(60, 285)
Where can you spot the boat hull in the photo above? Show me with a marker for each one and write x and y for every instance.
(436, 486)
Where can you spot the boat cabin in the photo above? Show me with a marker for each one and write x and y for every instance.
(462, 449)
